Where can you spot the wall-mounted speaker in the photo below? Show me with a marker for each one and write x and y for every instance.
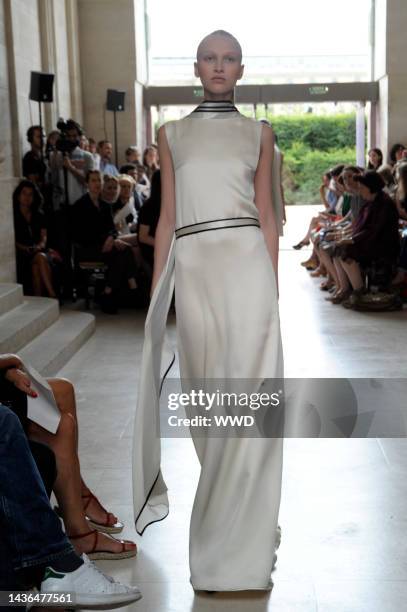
(41, 86)
(115, 100)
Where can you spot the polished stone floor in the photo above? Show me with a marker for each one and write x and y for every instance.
(344, 502)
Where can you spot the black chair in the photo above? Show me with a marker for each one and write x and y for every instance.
(89, 273)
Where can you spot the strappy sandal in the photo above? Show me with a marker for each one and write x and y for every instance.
(301, 244)
(105, 527)
(105, 554)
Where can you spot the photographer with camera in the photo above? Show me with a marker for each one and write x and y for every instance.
(69, 165)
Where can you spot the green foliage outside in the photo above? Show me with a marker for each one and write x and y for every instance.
(311, 145)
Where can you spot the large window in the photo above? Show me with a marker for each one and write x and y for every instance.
(284, 41)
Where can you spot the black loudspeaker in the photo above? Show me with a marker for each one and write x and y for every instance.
(41, 86)
(115, 100)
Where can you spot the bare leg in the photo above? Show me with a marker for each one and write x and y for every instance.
(344, 284)
(353, 272)
(46, 275)
(68, 485)
(329, 265)
(36, 277)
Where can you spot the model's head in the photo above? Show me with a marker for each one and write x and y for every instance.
(219, 65)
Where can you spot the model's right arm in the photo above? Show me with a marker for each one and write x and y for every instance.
(166, 223)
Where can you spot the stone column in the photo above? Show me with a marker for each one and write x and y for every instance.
(391, 71)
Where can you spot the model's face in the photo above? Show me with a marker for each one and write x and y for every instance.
(111, 191)
(218, 66)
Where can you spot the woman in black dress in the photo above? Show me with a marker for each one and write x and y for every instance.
(34, 270)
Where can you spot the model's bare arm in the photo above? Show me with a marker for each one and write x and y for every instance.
(263, 195)
(166, 222)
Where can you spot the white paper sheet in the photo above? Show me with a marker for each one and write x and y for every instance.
(43, 409)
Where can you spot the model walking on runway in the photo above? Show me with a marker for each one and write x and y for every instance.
(217, 242)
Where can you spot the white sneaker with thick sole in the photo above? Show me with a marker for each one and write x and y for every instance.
(89, 587)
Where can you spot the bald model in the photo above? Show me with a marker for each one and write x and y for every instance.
(223, 33)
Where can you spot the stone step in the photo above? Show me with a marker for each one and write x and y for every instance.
(25, 322)
(11, 296)
(50, 351)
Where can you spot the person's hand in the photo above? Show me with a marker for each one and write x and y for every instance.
(119, 244)
(329, 236)
(108, 245)
(67, 163)
(21, 381)
(9, 360)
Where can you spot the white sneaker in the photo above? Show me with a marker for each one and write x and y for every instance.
(89, 587)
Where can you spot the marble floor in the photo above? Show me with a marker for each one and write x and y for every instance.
(344, 502)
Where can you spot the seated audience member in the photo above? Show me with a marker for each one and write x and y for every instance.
(148, 220)
(374, 236)
(41, 554)
(330, 191)
(143, 186)
(131, 170)
(401, 191)
(94, 153)
(72, 164)
(106, 165)
(375, 157)
(396, 153)
(325, 242)
(52, 139)
(124, 211)
(87, 523)
(133, 155)
(84, 143)
(111, 189)
(34, 166)
(94, 232)
(386, 172)
(34, 261)
(150, 161)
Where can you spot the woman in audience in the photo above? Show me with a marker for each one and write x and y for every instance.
(94, 233)
(150, 161)
(148, 219)
(374, 236)
(396, 153)
(34, 262)
(386, 172)
(124, 211)
(401, 192)
(375, 157)
(94, 153)
(111, 189)
(87, 523)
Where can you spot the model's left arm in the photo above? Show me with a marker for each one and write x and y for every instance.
(263, 195)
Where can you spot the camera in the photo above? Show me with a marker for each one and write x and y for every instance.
(65, 143)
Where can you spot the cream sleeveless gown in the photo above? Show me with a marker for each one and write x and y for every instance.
(227, 327)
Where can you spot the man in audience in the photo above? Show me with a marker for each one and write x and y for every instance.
(34, 166)
(69, 166)
(105, 151)
(133, 155)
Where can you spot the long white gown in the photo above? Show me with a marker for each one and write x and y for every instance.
(227, 327)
